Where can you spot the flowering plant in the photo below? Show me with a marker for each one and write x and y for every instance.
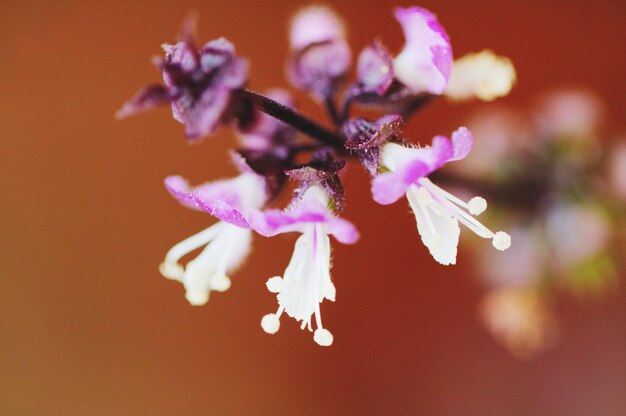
(206, 88)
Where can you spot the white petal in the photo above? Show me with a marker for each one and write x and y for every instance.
(439, 230)
(306, 281)
(223, 254)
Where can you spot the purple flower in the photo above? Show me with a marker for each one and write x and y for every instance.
(227, 242)
(199, 84)
(425, 62)
(320, 55)
(437, 212)
(306, 281)
(374, 70)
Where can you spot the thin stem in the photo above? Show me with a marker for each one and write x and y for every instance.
(347, 102)
(332, 110)
(417, 104)
(295, 119)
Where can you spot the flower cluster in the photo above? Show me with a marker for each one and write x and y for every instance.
(206, 88)
(561, 190)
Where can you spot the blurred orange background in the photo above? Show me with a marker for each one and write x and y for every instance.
(89, 327)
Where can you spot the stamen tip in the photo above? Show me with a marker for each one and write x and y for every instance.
(501, 240)
(220, 282)
(477, 205)
(197, 297)
(172, 271)
(270, 323)
(323, 337)
(274, 284)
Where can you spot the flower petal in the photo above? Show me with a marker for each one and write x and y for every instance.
(440, 232)
(375, 69)
(145, 99)
(462, 142)
(425, 62)
(229, 200)
(312, 207)
(320, 55)
(388, 187)
(315, 24)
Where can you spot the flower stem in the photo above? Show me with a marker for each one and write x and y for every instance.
(331, 109)
(295, 119)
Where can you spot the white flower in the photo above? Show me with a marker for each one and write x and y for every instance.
(305, 284)
(438, 214)
(226, 247)
(227, 242)
(306, 281)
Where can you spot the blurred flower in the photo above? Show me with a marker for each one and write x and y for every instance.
(542, 171)
(424, 63)
(520, 266)
(199, 84)
(617, 170)
(374, 70)
(575, 232)
(320, 55)
(520, 320)
(568, 114)
(483, 75)
(502, 134)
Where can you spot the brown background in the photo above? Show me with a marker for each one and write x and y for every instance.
(88, 326)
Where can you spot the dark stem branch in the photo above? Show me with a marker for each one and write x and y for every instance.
(332, 110)
(295, 119)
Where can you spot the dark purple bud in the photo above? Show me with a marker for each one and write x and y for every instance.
(147, 98)
(215, 54)
(201, 115)
(320, 67)
(362, 133)
(320, 55)
(181, 61)
(374, 69)
(201, 85)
